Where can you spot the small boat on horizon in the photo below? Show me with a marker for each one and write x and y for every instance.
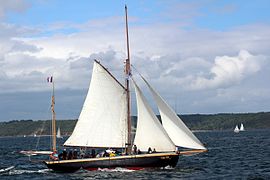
(242, 127)
(236, 129)
(58, 135)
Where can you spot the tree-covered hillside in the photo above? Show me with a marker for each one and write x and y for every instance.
(30, 127)
(227, 121)
(195, 122)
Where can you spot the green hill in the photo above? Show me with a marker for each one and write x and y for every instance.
(224, 121)
(259, 120)
(30, 127)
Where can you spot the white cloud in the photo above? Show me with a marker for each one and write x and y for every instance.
(228, 71)
(166, 54)
(207, 70)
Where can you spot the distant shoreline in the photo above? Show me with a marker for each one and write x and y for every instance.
(196, 122)
(195, 131)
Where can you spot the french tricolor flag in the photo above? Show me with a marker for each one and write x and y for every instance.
(50, 79)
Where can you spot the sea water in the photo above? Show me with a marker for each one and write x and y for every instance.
(245, 155)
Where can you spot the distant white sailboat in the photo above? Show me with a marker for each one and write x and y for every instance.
(59, 133)
(236, 129)
(242, 127)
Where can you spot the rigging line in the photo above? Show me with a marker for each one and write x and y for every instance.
(42, 129)
(137, 71)
(50, 128)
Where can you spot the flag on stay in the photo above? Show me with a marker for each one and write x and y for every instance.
(50, 79)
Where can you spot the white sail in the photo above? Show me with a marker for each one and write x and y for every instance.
(236, 129)
(149, 132)
(175, 127)
(58, 135)
(242, 127)
(103, 119)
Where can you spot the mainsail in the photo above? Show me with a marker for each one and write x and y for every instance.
(174, 126)
(103, 120)
(150, 132)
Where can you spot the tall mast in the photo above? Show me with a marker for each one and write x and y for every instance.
(53, 122)
(127, 73)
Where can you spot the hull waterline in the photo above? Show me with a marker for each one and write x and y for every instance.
(128, 161)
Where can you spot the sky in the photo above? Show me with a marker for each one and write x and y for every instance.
(203, 56)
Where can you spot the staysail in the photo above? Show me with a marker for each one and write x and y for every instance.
(174, 126)
(150, 132)
(103, 120)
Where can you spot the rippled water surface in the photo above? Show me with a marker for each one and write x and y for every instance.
(231, 156)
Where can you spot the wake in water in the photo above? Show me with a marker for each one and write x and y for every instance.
(168, 167)
(25, 171)
(119, 169)
(5, 170)
(115, 170)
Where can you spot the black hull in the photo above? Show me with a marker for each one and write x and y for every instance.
(128, 161)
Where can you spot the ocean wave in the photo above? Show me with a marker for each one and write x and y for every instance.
(118, 169)
(25, 171)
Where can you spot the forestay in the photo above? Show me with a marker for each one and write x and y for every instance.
(103, 119)
(175, 127)
(150, 132)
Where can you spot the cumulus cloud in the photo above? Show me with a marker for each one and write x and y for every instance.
(227, 71)
(199, 68)
(187, 59)
(23, 72)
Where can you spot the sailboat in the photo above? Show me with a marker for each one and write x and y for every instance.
(58, 135)
(242, 127)
(46, 152)
(105, 123)
(236, 129)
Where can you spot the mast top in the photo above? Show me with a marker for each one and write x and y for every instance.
(127, 69)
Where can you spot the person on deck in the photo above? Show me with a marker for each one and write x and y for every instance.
(60, 156)
(70, 155)
(82, 153)
(149, 150)
(105, 154)
(134, 149)
(64, 154)
(54, 156)
(75, 154)
(93, 153)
